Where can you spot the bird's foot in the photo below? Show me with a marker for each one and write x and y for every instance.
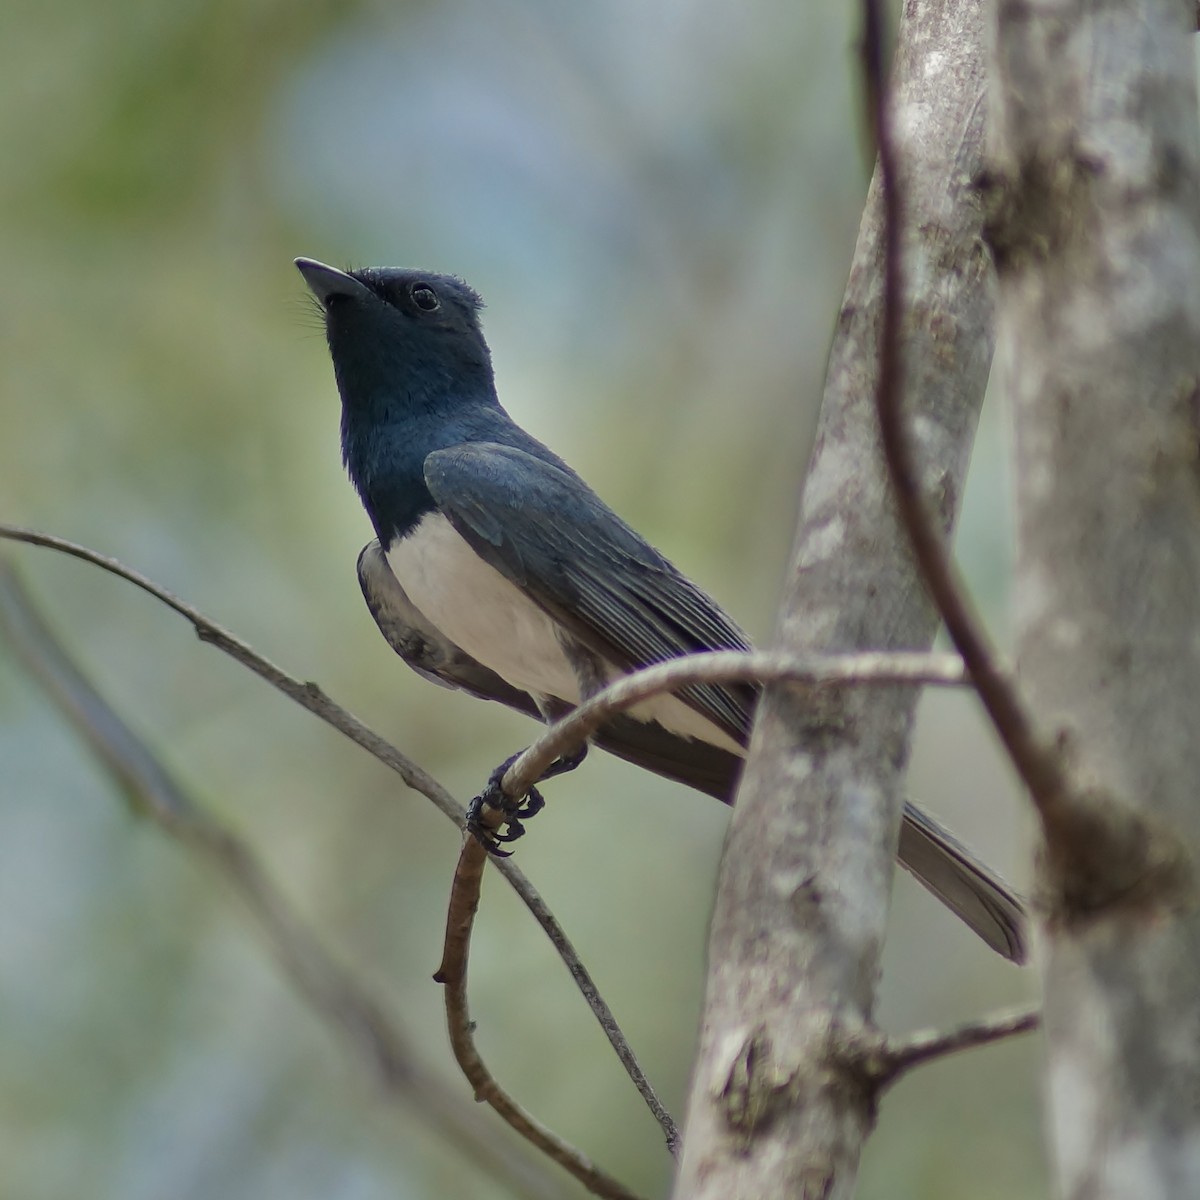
(515, 812)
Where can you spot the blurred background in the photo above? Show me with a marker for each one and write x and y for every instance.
(659, 204)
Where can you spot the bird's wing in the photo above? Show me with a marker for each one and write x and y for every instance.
(543, 529)
(421, 644)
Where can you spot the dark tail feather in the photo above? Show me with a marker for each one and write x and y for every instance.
(972, 891)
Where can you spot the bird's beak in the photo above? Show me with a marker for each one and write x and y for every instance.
(327, 282)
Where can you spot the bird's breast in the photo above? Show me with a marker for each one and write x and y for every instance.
(480, 611)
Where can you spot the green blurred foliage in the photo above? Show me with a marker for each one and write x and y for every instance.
(659, 203)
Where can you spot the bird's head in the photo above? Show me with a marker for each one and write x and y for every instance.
(402, 341)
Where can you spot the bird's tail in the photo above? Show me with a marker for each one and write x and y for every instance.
(971, 890)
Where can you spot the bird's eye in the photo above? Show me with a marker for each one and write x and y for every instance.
(423, 296)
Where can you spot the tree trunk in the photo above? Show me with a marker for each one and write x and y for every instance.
(1097, 238)
(776, 1107)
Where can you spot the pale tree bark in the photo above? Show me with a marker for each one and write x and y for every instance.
(778, 1104)
(1097, 237)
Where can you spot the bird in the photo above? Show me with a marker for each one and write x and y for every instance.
(496, 570)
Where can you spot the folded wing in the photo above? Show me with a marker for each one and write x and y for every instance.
(544, 530)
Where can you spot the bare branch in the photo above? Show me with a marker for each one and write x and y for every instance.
(452, 974)
(307, 695)
(900, 1055)
(726, 666)
(1036, 762)
(312, 698)
(344, 1003)
(493, 818)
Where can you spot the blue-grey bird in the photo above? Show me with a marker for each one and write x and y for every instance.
(498, 571)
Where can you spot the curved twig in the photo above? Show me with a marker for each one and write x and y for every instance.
(312, 698)
(307, 695)
(1035, 762)
(725, 666)
(452, 974)
(344, 1003)
(600, 1010)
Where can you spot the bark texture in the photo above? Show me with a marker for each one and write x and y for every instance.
(1097, 237)
(777, 1105)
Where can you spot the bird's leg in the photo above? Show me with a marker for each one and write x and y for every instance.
(515, 811)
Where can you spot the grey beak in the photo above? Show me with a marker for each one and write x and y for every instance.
(325, 282)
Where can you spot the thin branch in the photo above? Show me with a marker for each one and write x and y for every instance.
(1038, 766)
(312, 698)
(493, 818)
(307, 695)
(900, 1055)
(725, 667)
(600, 1010)
(452, 974)
(341, 1001)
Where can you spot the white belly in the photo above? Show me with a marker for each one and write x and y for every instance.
(480, 611)
(497, 625)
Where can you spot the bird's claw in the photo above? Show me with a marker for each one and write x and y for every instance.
(515, 812)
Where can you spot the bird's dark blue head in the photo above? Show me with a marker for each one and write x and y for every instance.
(402, 341)
(414, 375)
